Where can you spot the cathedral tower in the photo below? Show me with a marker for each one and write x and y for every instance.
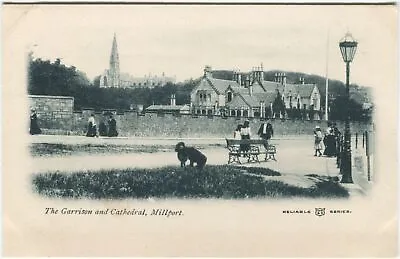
(114, 74)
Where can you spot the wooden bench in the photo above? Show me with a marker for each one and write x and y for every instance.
(256, 148)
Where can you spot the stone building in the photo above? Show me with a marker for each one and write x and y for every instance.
(112, 77)
(250, 95)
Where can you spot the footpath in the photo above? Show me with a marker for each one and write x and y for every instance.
(295, 158)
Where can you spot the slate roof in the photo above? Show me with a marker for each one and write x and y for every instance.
(253, 101)
(166, 107)
(305, 90)
(237, 102)
(220, 85)
(271, 87)
(239, 89)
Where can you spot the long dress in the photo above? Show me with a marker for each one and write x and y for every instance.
(112, 128)
(34, 126)
(92, 128)
(330, 144)
(245, 133)
(103, 129)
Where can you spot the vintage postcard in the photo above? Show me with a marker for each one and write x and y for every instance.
(225, 130)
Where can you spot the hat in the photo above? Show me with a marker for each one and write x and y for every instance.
(317, 127)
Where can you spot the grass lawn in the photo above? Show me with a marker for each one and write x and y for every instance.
(223, 182)
(53, 149)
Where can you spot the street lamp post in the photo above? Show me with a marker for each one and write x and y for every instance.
(348, 47)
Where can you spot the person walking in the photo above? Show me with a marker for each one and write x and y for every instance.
(112, 127)
(317, 141)
(266, 131)
(329, 142)
(34, 128)
(92, 127)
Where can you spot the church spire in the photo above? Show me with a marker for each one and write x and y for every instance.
(114, 64)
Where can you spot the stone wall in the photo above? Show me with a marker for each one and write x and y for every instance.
(54, 112)
(185, 126)
(56, 116)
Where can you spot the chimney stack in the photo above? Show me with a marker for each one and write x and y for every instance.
(207, 71)
(239, 79)
(247, 81)
(251, 89)
(284, 79)
(262, 73)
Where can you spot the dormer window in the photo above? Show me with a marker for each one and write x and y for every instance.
(229, 96)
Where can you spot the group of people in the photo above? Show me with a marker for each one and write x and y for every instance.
(330, 140)
(243, 131)
(110, 131)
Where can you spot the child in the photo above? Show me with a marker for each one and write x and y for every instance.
(236, 134)
(317, 141)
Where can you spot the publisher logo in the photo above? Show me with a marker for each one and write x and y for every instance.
(320, 212)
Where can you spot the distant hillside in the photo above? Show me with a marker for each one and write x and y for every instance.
(336, 88)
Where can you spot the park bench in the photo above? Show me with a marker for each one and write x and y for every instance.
(256, 148)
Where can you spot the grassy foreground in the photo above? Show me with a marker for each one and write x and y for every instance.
(54, 149)
(225, 182)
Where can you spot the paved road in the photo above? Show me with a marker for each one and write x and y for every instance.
(294, 155)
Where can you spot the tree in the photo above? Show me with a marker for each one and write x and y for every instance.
(278, 106)
(338, 110)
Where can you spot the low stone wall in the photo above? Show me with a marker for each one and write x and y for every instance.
(185, 126)
(54, 112)
(56, 116)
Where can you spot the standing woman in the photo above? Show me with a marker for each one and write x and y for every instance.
(34, 126)
(245, 133)
(92, 127)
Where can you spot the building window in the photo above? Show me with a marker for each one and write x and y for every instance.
(105, 81)
(245, 113)
(203, 111)
(233, 113)
(229, 96)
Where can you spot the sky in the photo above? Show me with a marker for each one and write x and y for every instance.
(181, 40)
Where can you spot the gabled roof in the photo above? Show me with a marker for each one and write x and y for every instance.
(220, 85)
(251, 100)
(291, 89)
(237, 102)
(305, 90)
(238, 89)
(267, 98)
(270, 87)
(258, 88)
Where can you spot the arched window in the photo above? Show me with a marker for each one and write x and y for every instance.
(233, 113)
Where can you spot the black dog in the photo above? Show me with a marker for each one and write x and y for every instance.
(190, 153)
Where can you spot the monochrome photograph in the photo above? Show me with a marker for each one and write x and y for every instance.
(219, 130)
